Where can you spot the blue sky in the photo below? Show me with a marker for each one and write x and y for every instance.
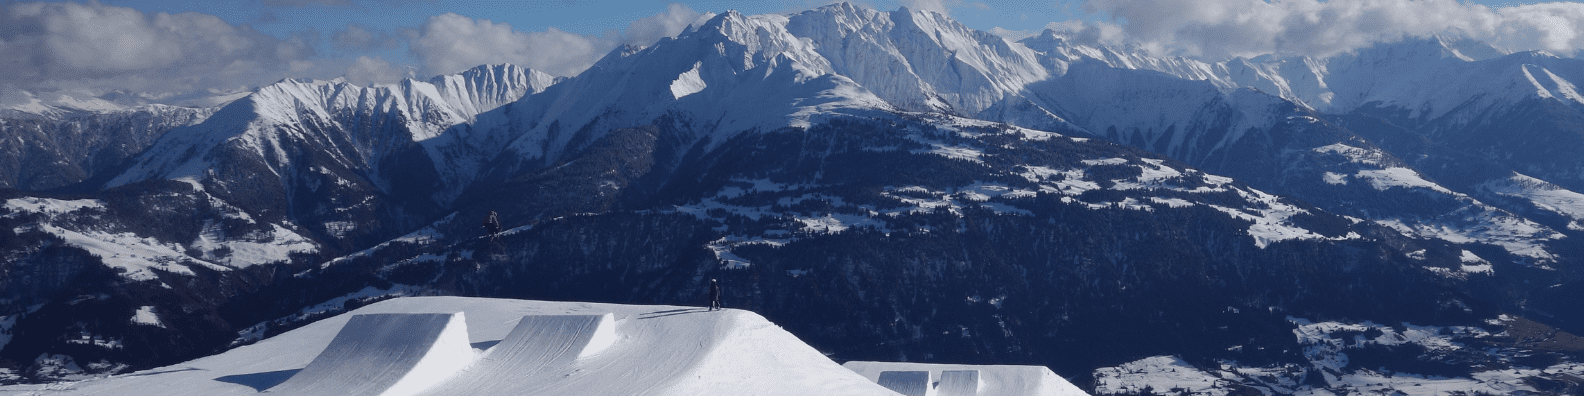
(283, 18)
(184, 45)
(582, 16)
(576, 16)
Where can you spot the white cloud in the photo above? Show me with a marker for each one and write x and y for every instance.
(647, 30)
(1218, 28)
(46, 45)
(939, 6)
(368, 71)
(450, 43)
(92, 49)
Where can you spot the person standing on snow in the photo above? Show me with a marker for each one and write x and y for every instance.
(714, 295)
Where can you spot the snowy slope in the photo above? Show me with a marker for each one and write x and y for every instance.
(735, 73)
(1278, 146)
(1340, 359)
(918, 60)
(731, 74)
(661, 350)
(41, 153)
(227, 238)
(66, 104)
(386, 354)
(350, 165)
(1544, 196)
(358, 126)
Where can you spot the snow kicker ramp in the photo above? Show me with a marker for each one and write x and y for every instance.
(958, 383)
(961, 379)
(537, 343)
(386, 355)
(908, 383)
(917, 383)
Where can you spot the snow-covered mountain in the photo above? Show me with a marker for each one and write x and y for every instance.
(353, 164)
(887, 185)
(213, 210)
(49, 152)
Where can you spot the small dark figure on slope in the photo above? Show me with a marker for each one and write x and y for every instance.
(492, 225)
(714, 295)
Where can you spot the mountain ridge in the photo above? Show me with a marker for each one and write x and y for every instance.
(887, 177)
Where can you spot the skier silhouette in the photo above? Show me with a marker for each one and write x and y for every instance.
(714, 295)
(492, 225)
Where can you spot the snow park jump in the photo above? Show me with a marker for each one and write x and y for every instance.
(958, 379)
(387, 355)
(908, 383)
(959, 383)
(538, 343)
(521, 348)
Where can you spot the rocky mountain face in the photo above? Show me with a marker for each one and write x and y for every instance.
(44, 153)
(887, 186)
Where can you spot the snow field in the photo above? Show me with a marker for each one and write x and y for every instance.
(387, 355)
(961, 379)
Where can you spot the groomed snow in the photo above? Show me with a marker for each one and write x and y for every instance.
(539, 344)
(993, 380)
(393, 354)
(658, 350)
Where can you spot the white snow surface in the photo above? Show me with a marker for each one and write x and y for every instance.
(1384, 179)
(657, 350)
(389, 354)
(1428, 77)
(1162, 374)
(49, 206)
(993, 379)
(145, 315)
(537, 347)
(1543, 195)
(137, 257)
(255, 248)
(688, 83)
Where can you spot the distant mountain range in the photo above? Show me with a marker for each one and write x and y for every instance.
(887, 185)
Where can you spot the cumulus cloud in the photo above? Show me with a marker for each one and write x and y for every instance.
(367, 71)
(1218, 28)
(450, 43)
(122, 48)
(939, 6)
(647, 30)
